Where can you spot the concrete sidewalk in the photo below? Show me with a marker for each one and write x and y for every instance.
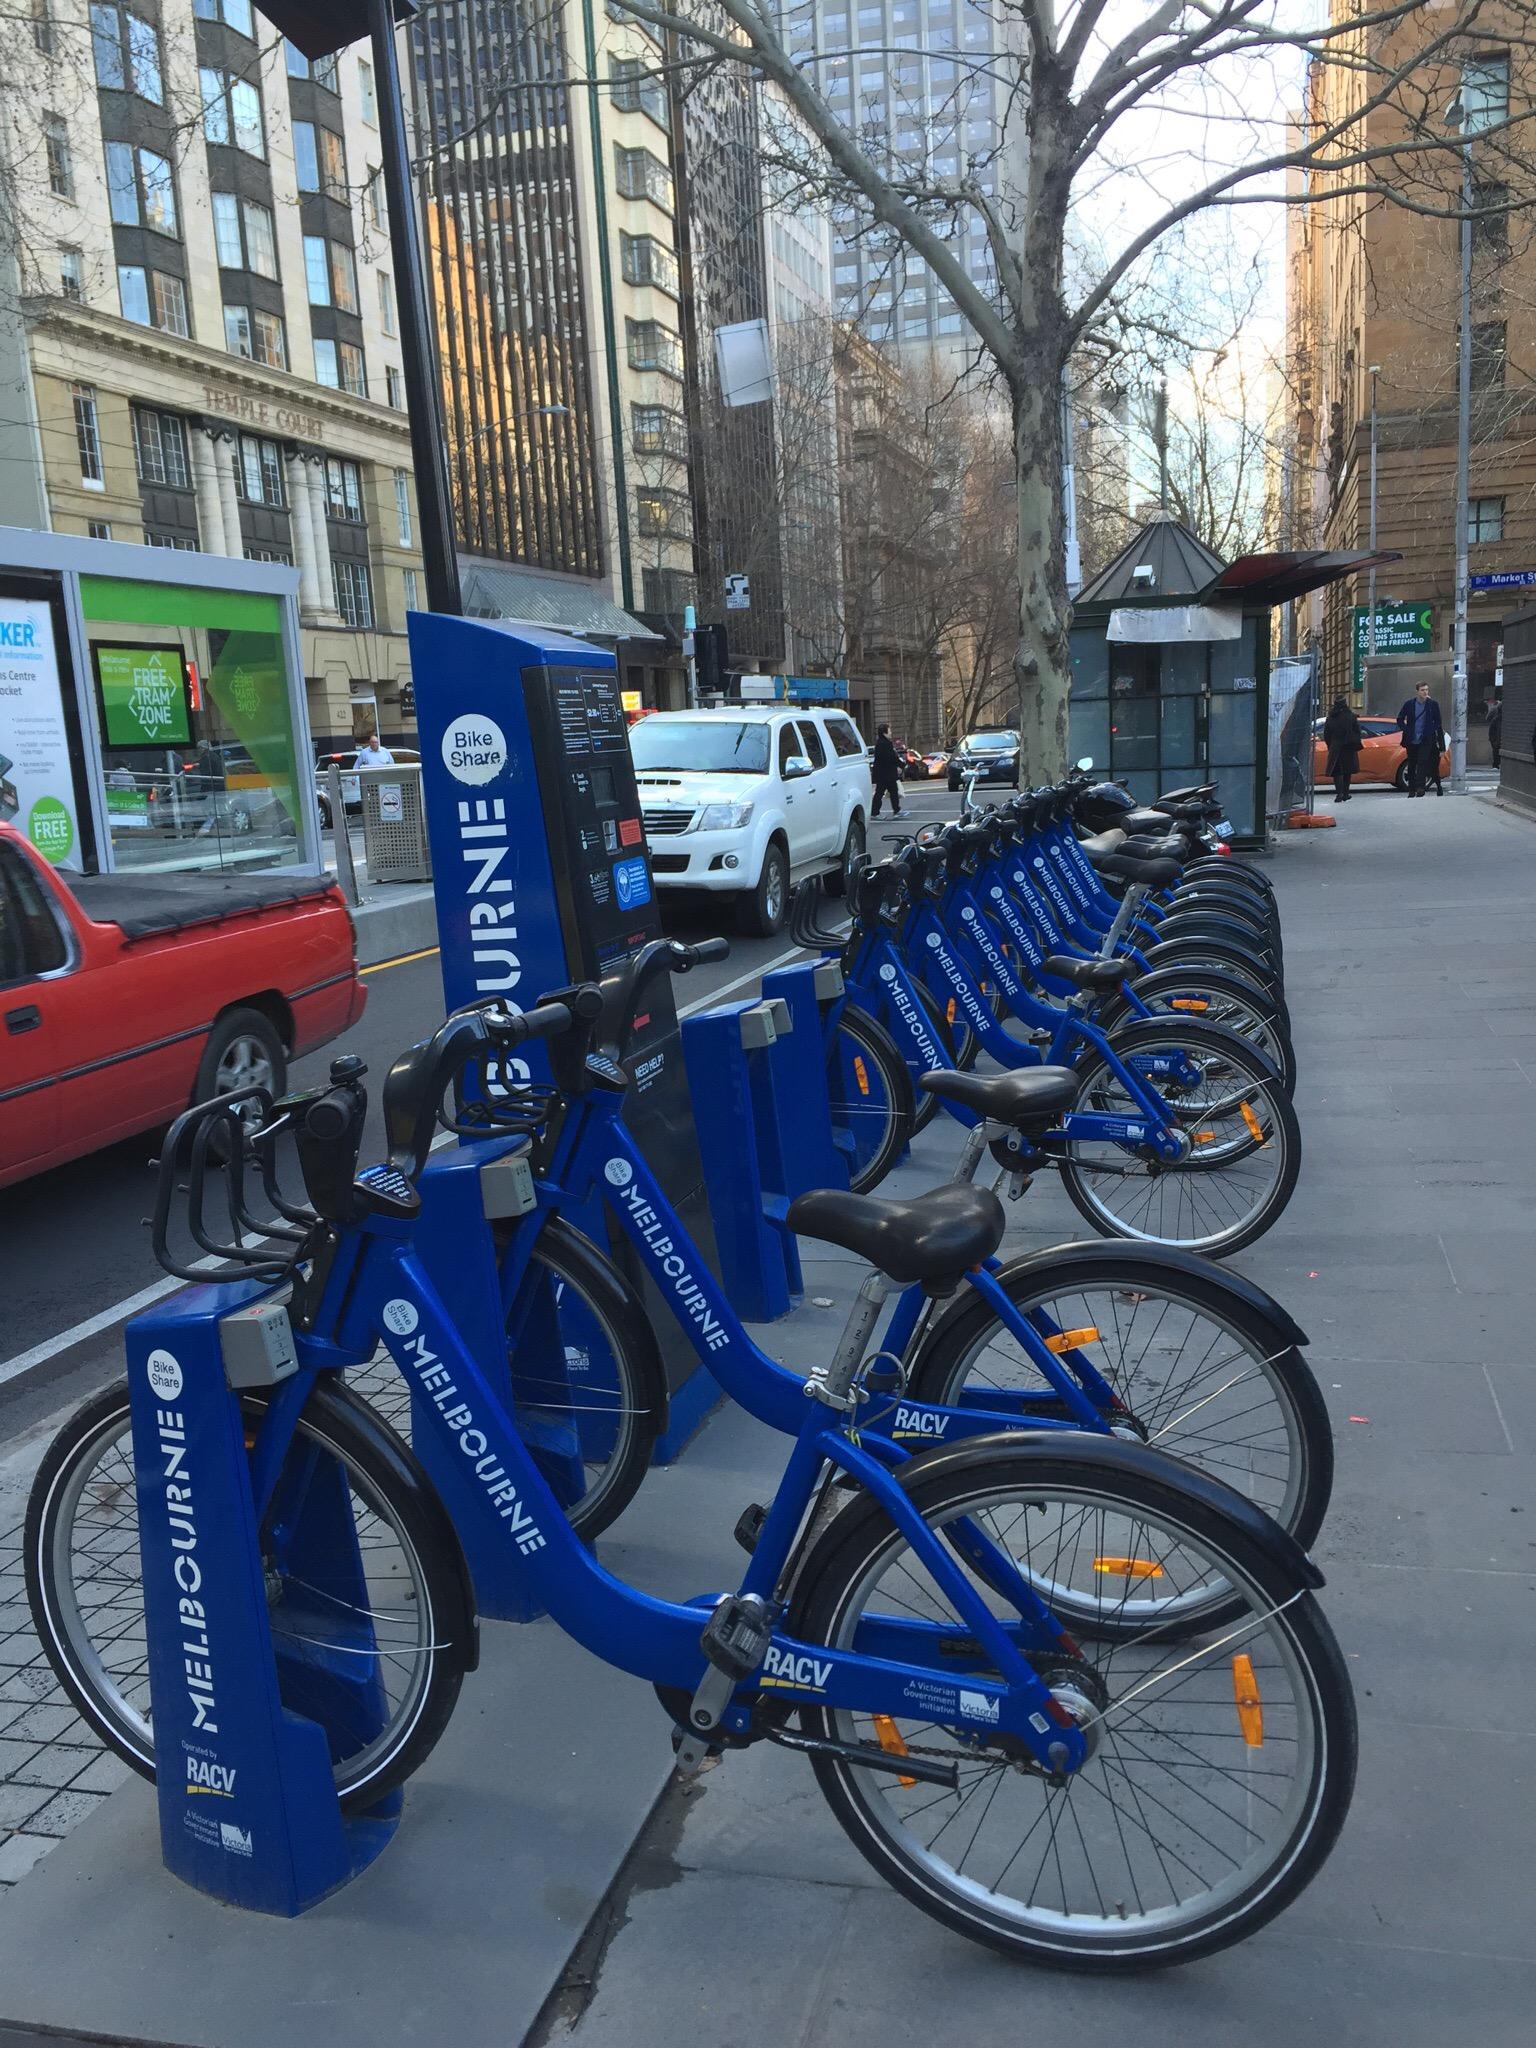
(1408, 1255)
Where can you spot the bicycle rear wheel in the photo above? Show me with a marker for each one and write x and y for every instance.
(1218, 1775)
(870, 1096)
(394, 1659)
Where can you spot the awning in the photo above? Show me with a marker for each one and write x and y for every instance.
(1276, 578)
(535, 598)
(1169, 625)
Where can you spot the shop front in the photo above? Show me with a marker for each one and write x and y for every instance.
(152, 708)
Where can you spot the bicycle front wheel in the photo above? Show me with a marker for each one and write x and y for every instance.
(373, 1639)
(1218, 1775)
(1202, 1372)
(1244, 1144)
(870, 1096)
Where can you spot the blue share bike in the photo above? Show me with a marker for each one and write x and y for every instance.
(1071, 1698)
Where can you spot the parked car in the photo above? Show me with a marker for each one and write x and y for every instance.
(993, 756)
(188, 804)
(123, 999)
(351, 787)
(1383, 757)
(933, 765)
(749, 800)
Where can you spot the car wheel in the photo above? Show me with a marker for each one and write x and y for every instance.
(764, 910)
(838, 884)
(954, 786)
(1400, 779)
(243, 1051)
(325, 814)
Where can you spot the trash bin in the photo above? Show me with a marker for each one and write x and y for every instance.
(394, 824)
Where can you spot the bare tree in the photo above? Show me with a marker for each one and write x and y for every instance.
(1186, 111)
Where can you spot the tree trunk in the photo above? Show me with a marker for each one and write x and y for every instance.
(1040, 664)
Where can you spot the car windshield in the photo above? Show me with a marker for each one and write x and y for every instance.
(709, 746)
(990, 742)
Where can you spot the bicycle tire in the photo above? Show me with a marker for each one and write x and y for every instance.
(341, 1426)
(1235, 1005)
(1196, 924)
(1275, 1116)
(1124, 1933)
(874, 1125)
(1121, 1294)
(629, 1356)
(1215, 953)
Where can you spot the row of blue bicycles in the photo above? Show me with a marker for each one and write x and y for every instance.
(1032, 1594)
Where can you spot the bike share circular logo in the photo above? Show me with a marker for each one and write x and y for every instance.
(887, 972)
(997, 894)
(164, 1375)
(474, 749)
(967, 915)
(400, 1316)
(934, 940)
(618, 1173)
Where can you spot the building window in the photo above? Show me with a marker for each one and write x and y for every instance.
(260, 471)
(71, 273)
(320, 159)
(647, 261)
(365, 91)
(354, 599)
(322, 71)
(152, 299)
(270, 555)
(394, 387)
(42, 27)
(235, 14)
(126, 51)
(386, 302)
(330, 274)
(232, 113)
(61, 164)
(1489, 355)
(160, 449)
(637, 90)
(343, 489)
(373, 198)
(662, 515)
(259, 337)
(99, 529)
(1484, 92)
(403, 506)
(1490, 224)
(179, 541)
(87, 434)
(243, 234)
(140, 187)
(640, 175)
(1485, 519)
(340, 365)
(412, 596)
(653, 347)
(658, 430)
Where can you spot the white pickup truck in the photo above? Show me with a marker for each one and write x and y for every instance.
(748, 800)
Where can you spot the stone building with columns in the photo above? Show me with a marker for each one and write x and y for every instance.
(201, 320)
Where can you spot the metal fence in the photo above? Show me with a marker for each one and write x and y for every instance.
(1294, 681)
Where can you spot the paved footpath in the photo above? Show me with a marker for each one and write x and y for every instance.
(1409, 1254)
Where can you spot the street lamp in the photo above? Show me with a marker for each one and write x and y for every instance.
(1458, 116)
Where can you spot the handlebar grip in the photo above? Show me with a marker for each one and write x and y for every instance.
(686, 957)
(327, 1118)
(549, 1020)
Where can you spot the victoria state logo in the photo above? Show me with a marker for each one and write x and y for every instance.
(618, 1173)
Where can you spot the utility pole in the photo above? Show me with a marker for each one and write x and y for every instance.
(1463, 461)
(1370, 619)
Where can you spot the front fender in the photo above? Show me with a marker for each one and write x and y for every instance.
(1154, 1262)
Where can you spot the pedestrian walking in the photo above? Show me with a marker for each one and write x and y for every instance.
(887, 771)
(373, 753)
(1423, 731)
(1344, 738)
(1495, 728)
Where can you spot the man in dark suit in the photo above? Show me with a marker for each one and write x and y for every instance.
(1423, 731)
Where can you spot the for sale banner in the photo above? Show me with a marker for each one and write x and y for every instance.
(37, 788)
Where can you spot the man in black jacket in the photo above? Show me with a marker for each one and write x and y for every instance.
(1423, 731)
(887, 771)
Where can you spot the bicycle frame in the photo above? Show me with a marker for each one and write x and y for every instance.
(980, 1675)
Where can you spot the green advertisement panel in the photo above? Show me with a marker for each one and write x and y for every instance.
(143, 696)
(1400, 629)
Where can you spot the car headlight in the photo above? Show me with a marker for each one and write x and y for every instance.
(725, 817)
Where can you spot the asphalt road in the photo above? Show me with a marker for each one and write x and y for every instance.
(74, 1244)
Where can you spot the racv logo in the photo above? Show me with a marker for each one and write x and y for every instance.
(928, 1422)
(784, 1667)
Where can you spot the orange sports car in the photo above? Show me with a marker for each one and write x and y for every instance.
(1382, 758)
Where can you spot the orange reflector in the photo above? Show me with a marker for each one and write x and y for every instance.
(889, 1736)
(861, 1074)
(949, 1011)
(1250, 1708)
(1069, 1340)
(1205, 1138)
(1188, 1003)
(1255, 1128)
(1127, 1568)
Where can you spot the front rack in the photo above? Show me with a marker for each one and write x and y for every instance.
(230, 1200)
(805, 929)
(498, 1111)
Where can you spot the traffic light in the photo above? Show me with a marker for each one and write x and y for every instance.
(710, 658)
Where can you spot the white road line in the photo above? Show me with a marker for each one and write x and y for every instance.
(119, 1312)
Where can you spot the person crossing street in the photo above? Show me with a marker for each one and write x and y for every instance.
(886, 772)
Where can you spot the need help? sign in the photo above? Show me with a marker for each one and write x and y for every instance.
(37, 788)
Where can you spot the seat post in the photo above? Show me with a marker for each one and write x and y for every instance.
(975, 1145)
(833, 1382)
(1130, 903)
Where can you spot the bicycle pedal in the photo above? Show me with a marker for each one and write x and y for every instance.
(735, 1639)
(749, 1528)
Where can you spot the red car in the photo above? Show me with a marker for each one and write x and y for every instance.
(123, 998)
